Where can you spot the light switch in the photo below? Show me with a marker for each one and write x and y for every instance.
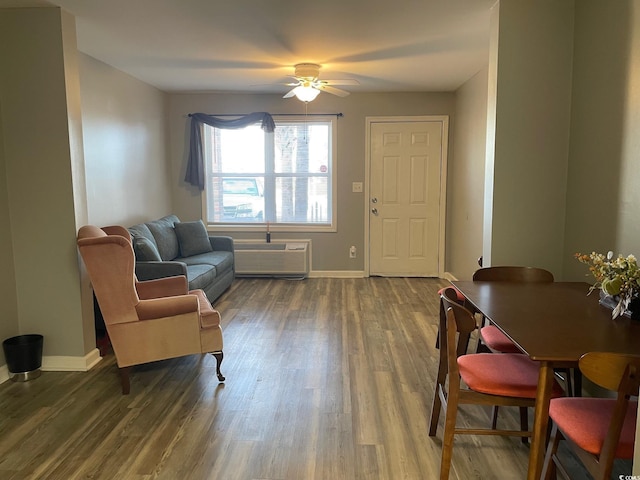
(356, 187)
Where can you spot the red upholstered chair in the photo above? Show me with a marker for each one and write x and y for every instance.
(151, 320)
(492, 379)
(598, 430)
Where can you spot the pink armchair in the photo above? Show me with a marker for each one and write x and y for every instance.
(151, 320)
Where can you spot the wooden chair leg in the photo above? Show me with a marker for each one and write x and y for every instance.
(124, 380)
(447, 439)
(436, 406)
(494, 417)
(437, 402)
(577, 382)
(524, 423)
(219, 356)
(549, 465)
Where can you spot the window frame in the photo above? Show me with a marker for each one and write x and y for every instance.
(283, 226)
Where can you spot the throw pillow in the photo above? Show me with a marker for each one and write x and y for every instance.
(192, 238)
(165, 237)
(145, 250)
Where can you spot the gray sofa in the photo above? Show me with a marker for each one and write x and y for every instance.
(168, 247)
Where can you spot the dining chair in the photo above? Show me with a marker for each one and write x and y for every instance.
(505, 379)
(597, 430)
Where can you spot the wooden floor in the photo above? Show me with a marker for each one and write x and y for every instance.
(326, 379)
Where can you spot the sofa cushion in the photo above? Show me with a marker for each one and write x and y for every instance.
(200, 276)
(165, 236)
(145, 250)
(141, 231)
(143, 243)
(193, 238)
(222, 260)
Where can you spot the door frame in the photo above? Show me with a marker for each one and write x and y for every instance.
(444, 120)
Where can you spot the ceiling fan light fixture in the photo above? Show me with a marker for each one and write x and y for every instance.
(306, 93)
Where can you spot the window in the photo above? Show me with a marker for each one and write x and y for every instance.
(284, 177)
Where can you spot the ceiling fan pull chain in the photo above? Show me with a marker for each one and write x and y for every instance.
(306, 125)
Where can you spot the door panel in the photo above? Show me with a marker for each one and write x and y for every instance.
(406, 162)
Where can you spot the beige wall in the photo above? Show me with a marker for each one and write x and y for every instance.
(40, 119)
(533, 104)
(124, 124)
(48, 105)
(466, 178)
(330, 250)
(603, 201)
(9, 325)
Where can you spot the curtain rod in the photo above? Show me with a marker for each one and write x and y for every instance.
(277, 114)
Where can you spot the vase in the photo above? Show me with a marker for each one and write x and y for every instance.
(611, 302)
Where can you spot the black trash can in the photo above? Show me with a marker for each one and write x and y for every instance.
(24, 357)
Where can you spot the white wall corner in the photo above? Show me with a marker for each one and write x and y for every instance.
(4, 373)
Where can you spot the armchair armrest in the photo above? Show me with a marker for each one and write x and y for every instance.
(162, 287)
(166, 307)
(221, 243)
(154, 270)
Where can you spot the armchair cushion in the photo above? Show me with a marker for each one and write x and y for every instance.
(193, 238)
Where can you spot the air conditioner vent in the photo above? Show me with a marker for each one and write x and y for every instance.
(286, 259)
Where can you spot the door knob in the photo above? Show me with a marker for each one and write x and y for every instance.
(374, 211)
(374, 200)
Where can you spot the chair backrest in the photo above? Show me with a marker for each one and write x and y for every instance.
(109, 258)
(456, 330)
(513, 274)
(614, 371)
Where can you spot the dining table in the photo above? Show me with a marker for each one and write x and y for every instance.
(554, 324)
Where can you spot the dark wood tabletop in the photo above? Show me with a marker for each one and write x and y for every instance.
(554, 324)
(553, 321)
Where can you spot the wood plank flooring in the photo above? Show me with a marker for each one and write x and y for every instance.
(326, 379)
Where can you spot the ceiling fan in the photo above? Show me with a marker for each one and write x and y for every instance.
(307, 85)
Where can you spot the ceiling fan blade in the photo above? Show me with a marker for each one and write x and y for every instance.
(290, 93)
(346, 81)
(333, 90)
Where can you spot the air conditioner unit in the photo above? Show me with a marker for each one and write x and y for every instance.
(285, 259)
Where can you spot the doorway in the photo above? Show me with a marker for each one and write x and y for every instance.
(405, 195)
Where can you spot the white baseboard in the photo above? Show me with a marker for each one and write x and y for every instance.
(337, 274)
(356, 274)
(449, 276)
(62, 364)
(71, 364)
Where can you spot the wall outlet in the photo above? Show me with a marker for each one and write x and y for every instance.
(356, 187)
(352, 251)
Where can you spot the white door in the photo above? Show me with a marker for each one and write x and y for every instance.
(406, 161)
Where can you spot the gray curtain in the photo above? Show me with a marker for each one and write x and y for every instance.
(195, 166)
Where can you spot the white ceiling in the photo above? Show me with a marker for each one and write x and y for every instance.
(249, 45)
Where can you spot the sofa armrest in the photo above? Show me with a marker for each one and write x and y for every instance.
(221, 243)
(162, 287)
(153, 270)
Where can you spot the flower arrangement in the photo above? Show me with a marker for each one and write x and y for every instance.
(618, 277)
